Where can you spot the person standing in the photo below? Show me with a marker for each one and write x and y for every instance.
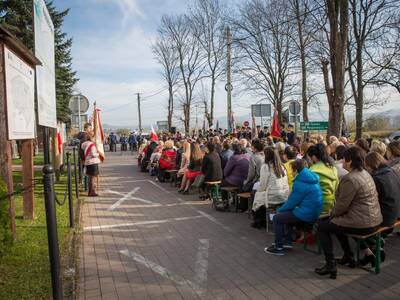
(91, 161)
(113, 142)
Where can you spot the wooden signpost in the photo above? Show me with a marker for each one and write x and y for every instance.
(17, 118)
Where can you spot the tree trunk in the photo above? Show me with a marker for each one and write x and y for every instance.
(211, 118)
(304, 86)
(170, 107)
(338, 16)
(359, 99)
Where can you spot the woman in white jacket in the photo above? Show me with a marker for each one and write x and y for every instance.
(273, 187)
(91, 161)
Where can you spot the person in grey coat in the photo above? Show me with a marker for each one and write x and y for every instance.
(256, 161)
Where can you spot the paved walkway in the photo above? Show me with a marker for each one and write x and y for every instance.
(143, 240)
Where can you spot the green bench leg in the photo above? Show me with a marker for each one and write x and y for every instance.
(378, 253)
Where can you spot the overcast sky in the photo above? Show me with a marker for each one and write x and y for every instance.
(112, 55)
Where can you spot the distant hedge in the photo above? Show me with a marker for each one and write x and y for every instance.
(5, 233)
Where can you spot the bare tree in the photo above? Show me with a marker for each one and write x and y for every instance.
(336, 31)
(265, 50)
(303, 37)
(190, 62)
(369, 21)
(208, 23)
(385, 55)
(164, 53)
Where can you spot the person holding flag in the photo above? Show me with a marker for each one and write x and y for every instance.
(93, 150)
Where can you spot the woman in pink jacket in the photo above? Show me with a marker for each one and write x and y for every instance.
(92, 161)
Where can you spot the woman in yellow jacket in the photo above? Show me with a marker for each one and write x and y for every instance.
(328, 176)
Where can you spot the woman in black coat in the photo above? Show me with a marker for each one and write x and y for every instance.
(388, 186)
(211, 167)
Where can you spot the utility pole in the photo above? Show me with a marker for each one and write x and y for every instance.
(228, 86)
(197, 120)
(140, 114)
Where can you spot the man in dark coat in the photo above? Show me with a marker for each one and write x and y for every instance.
(211, 167)
(149, 152)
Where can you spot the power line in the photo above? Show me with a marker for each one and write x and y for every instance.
(154, 94)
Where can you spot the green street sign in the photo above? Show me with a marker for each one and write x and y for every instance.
(314, 126)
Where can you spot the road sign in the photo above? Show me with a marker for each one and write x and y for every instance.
(261, 110)
(314, 126)
(78, 104)
(162, 125)
(294, 108)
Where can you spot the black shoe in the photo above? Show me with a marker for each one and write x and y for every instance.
(328, 268)
(275, 251)
(185, 192)
(383, 255)
(368, 259)
(346, 260)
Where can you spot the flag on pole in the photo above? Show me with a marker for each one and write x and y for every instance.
(98, 132)
(233, 124)
(59, 141)
(153, 134)
(275, 131)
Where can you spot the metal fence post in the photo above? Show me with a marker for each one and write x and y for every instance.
(75, 174)
(70, 203)
(51, 221)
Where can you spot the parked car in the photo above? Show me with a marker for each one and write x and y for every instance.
(395, 136)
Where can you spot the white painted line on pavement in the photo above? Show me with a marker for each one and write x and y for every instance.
(160, 270)
(124, 198)
(214, 220)
(201, 267)
(140, 223)
(159, 186)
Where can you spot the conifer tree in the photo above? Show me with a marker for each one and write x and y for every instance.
(17, 17)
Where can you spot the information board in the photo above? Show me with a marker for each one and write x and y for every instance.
(45, 74)
(20, 91)
(261, 110)
(314, 126)
(162, 125)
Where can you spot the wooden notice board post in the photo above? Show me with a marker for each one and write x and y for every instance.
(17, 116)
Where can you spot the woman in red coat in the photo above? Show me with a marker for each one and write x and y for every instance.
(167, 160)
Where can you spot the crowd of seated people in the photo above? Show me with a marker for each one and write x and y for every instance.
(346, 188)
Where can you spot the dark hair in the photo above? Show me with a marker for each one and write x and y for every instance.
(210, 147)
(298, 165)
(340, 151)
(238, 149)
(226, 144)
(290, 126)
(87, 125)
(272, 158)
(363, 144)
(394, 148)
(357, 157)
(320, 153)
(257, 144)
(375, 161)
(291, 152)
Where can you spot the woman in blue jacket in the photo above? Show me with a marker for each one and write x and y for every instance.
(304, 205)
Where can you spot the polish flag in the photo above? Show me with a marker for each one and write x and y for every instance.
(98, 133)
(153, 134)
(275, 132)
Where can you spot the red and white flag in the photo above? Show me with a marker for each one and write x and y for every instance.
(153, 134)
(98, 133)
(275, 132)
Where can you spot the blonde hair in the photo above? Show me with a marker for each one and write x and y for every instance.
(186, 149)
(169, 144)
(378, 147)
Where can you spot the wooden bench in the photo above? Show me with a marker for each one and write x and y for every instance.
(377, 236)
(215, 194)
(247, 196)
